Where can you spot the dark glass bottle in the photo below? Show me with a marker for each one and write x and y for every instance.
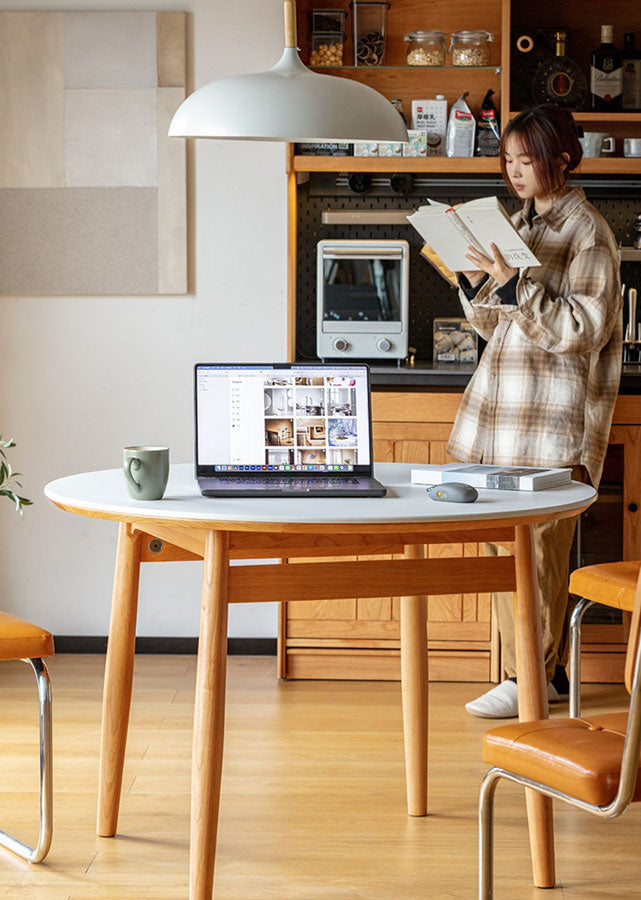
(606, 73)
(631, 73)
(398, 105)
(560, 80)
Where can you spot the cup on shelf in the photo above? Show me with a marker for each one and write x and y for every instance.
(632, 146)
(597, 143)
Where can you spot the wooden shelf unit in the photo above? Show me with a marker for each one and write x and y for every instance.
(360, 639)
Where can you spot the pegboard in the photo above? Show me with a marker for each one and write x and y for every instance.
(429, 294)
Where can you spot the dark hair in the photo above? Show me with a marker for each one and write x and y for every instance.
(545, 132)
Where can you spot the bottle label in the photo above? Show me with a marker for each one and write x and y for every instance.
(560, 84)
(632, 83)
(606, 85)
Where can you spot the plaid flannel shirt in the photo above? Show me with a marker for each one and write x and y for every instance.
(544, 391)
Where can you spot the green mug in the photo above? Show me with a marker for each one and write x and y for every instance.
(146, 471)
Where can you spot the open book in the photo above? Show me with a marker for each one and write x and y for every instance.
(501, 478)
(449, 230)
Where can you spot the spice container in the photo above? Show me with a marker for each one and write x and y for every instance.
(327, 48)
(470, 48)
(370, 26)
(426, 48)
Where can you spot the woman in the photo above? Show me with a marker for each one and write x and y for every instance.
(545, 388)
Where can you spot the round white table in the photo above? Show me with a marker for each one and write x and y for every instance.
(185, 525)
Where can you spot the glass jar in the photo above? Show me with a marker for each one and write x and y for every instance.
(426, 48)
(327, 49)
(370, 27)
(470, 48)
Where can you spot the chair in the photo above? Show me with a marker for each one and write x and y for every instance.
(610, 584)
(592, 763)
(21, 640)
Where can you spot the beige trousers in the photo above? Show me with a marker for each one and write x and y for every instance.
(552, 544)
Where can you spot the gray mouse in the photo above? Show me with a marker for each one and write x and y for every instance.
(453, 492)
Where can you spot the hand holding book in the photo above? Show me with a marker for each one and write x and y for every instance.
(496, 267)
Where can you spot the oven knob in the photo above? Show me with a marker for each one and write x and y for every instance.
(340, 344)
(384, 345)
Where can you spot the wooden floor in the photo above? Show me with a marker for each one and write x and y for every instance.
(313, 803)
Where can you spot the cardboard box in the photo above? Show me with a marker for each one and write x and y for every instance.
(455, 342)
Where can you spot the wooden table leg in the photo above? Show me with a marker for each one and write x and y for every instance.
(118, 678)
(533, 702)
(209, 716)
(414, 690)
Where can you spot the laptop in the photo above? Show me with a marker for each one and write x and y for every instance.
(284, 430)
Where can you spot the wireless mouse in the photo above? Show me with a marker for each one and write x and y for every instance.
(453, 492)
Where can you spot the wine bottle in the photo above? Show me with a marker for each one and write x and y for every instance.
(631, 73)
(606, 73)
(560, 80)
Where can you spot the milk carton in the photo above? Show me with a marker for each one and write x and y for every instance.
(431, 116)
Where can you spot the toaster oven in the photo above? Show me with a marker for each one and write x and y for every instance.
(362, 299)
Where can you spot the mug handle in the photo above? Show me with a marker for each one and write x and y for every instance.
(133, 463)
(608, 146)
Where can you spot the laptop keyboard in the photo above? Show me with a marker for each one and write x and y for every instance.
(292, 484)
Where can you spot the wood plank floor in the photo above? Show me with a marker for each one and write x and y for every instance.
(313, 803)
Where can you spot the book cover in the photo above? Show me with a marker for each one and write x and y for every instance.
(501, 478)
(450, 230)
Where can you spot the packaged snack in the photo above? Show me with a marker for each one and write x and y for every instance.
(366, 148)
(417, 144)
(488, 129)
(455, 341)
(431, 116)
(461, 129)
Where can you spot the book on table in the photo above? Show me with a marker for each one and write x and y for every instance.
(501, 478)
(449, 231)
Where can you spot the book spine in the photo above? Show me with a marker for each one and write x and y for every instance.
(503, 482)
(462, 228)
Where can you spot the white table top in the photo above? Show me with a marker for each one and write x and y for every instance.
(104, 492)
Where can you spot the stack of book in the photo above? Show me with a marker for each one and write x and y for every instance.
(501, 478)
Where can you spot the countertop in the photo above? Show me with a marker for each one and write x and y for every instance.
(425, 376)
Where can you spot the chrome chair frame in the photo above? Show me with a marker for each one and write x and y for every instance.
(575, 654)
(622, 799)
(37, 854)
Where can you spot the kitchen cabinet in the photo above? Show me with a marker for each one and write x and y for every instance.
(351, 639)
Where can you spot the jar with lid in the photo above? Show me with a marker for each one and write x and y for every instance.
(426, 48)
(327, 49)
(470, 48)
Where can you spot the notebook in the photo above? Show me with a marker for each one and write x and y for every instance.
(284, 430)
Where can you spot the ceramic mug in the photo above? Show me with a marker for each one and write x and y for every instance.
(146, 471)
(632, 146)
(595, 143)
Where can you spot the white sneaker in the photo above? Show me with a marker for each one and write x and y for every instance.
(502, 701)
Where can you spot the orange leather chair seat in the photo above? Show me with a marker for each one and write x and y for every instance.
(612, 584)
(20, 639)
(581, 757)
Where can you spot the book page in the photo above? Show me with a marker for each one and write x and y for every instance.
(435, 227)
(488, 223)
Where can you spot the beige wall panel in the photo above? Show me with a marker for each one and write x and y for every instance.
(31, 100)
(170, 44)
(79, 241)
(110, 49)
(111, 138)
(172, 198)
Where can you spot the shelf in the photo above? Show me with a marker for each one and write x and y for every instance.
(405, 68)
(474, 164)
(600, 116)
(630, 254)
(617, 165)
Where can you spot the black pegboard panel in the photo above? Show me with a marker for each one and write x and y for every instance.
(430, 295)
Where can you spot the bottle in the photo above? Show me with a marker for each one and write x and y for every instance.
(560, 80)
(631, 73)
(606, 73)
(636, 233)
(398, 105)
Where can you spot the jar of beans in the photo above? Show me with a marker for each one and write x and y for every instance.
(327, 48)
(470, 48)
(426, 48)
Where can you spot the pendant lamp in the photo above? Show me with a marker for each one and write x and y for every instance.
(289, 102)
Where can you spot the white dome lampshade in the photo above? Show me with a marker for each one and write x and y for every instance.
(289, 102)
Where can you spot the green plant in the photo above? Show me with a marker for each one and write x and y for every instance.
(8, 478)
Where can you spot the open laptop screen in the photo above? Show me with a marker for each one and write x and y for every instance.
(282, 418)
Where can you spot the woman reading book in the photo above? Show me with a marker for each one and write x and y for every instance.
(544, 391)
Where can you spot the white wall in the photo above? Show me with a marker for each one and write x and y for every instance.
(82, 377)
